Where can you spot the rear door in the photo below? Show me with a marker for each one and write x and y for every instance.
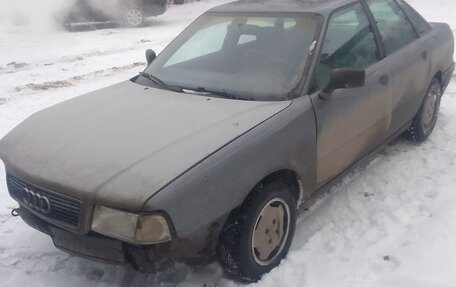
(352, 121)
(407, 58)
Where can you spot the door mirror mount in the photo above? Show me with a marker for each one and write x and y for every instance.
(343, 79)
(150, 56)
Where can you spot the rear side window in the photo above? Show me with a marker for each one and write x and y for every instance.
(395, 29)
(349, 43)
(418, 21)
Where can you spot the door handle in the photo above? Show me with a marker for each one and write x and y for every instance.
(384, 80)
(424, 55)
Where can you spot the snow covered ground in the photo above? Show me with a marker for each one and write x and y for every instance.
(392, 223)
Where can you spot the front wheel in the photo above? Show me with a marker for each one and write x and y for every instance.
(258, 235)
(134, 17)
(424, 122)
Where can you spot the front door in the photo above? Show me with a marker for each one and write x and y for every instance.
(352, 121)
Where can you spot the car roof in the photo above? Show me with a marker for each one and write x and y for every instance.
(323, 7)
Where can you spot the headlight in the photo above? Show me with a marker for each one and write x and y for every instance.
(129, 227)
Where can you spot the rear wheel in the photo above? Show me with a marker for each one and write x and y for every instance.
(426, 118)
(258, 235)
(134, 17)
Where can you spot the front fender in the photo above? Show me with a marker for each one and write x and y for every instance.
(214, 187)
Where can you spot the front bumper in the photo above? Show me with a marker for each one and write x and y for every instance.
(79, 239)
(94, 246)
(90, 246)
(100, 248)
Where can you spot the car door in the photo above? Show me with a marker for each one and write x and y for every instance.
(352, 121)
(407, 58)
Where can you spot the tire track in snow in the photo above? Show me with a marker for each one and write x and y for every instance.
(15, 67)
(50, 85)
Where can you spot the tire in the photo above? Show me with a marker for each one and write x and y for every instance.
(134, 17)
(424, 122)
(254, 239)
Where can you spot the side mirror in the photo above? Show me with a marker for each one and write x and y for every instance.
(343, 79)
(150, 56)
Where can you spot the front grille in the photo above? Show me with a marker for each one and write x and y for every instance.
(63, 209)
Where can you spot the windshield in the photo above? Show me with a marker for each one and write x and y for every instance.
(248, 57)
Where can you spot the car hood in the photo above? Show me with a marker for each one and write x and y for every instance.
(120, 145)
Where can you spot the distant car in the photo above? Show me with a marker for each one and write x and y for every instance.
(131, 12)
(248, 114)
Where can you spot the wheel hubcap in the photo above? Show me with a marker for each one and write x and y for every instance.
(430, 109)
(134, 17)
(271, 231)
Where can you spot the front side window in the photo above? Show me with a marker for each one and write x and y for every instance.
(255, 57)
(418, 21)
(349, 43)
(394, 27)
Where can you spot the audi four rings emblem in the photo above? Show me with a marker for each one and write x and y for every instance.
(37, 201)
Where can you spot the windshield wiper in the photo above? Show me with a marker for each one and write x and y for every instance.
(159, 82)
(220, 93)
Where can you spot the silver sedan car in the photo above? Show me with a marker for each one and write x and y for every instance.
(249, 113)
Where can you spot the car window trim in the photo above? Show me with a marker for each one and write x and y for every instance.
(381, 50)
(383, 44)
(300, 87)
(410, 20)
(341, 8)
